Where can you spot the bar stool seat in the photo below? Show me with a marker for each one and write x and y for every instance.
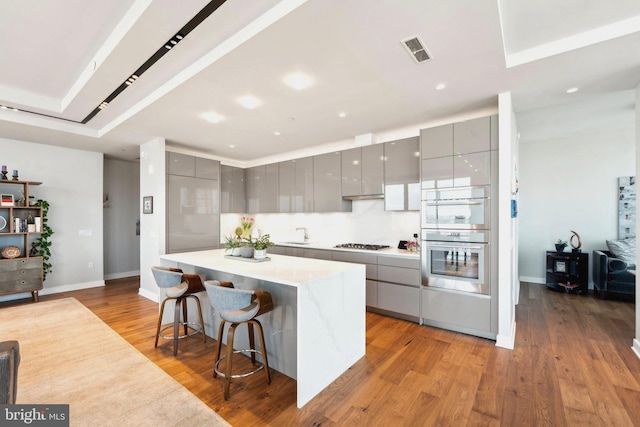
(179, 288)
(238, 306)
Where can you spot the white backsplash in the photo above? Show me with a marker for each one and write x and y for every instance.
(367, 223)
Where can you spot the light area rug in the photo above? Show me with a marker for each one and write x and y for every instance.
(69, 356)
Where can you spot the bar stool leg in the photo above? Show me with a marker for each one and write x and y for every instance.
(176, 325)
(185, 317)
(263, 348)
(218, 346)
(227, 373)
(159, 322)
(204, 335)
(252, 343)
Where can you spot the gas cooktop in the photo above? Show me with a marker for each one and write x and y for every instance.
(361, 246)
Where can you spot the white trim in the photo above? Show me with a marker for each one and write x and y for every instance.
(68, 288)
(507, 341)
(121, 275)
(636, 347)
(530, 279)
(148, 295)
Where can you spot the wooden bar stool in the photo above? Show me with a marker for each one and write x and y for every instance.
(238, 306)
(179, 287)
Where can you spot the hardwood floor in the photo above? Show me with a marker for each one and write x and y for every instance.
(572, 365)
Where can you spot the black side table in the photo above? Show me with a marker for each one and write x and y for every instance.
(568, 271)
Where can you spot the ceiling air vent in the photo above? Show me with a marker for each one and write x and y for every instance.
(416, 49)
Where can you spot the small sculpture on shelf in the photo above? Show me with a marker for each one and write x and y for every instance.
(34, 250)
(4, 172)
(575, 246)
(15, 175)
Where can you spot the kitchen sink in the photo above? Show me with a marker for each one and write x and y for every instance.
(297, 243)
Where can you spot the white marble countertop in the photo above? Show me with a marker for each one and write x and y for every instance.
(392, 251)
(293, 271)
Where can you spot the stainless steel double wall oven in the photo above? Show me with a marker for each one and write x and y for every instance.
(456, 233)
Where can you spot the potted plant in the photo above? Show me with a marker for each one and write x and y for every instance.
(42, 245)
(233, 244)
(260, 246)
(560, 245)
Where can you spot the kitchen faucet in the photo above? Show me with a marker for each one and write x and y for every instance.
(306, 235)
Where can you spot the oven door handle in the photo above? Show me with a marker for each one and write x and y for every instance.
(452, 202)
(453, 246)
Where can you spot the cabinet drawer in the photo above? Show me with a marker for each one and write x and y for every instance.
(356, 257)
(399, 262)
(317, 254)
(24, 274)
(20, 264)
(399, 299)
(372, 293)
(467, 311)
(405, 276)
(15, 286)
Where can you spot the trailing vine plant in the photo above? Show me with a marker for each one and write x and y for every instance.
(43, 243)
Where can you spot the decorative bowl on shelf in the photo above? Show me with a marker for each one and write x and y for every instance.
(11, 252)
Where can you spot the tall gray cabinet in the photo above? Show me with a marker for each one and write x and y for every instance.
(402, 175)
(193, 203)
(232, 191)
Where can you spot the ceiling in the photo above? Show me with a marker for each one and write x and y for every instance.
(60, 65)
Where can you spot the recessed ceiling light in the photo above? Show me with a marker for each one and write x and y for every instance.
(441, 86)
(276, 133)
(213, 117)
(342, 115)
(232, 146)
(298, 81)
(572, 90)
(249, 102)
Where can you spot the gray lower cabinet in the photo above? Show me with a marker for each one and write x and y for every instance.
(327, 184)
(464, 312)
(402, 175)
(232, 191)
(399, 286)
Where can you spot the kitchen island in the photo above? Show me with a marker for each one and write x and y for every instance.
(317, 328)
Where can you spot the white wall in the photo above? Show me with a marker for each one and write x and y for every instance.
(121, 244)
(72, 184)
(368, 222)
(570, 183)
(636, 341)
(508, 283)
(152, 226)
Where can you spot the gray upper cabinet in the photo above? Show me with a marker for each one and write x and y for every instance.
(402, 174)
(352, 172)
(437, 173)
(270, 195)
(255, 187)
(327, 193)
(472, 169)
(207, 168)
(363, 171)
(303, 185)
(436, 142)
(181, 164)
(286, 179)
(472, 136)
(373, 169)
(193, 203)
(232, 192)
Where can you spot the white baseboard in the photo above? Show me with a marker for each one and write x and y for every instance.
(121, 275)
(636, 347)
(148, 295)
(67, 288)
(507, 341)
(540, 280)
